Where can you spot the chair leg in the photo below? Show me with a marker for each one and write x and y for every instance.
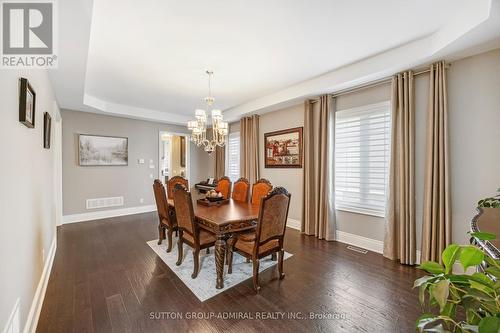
(229, 258)
(196, 259)
(273, 256)
(208, 250)
(280, 264)
(256, 286)
(180, 246)
(161, 234)
(169, 239)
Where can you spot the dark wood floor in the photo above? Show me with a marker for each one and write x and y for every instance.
(105, 278)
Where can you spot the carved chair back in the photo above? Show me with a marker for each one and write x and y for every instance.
(171, 184)
(184, 211)
(260, 189)
(240, 190)
(273, 215)
(224, 186)
(161, 202)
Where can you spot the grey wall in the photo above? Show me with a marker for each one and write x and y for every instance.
(133, 182)
(27, 196)
(474, 124)
(291, 179)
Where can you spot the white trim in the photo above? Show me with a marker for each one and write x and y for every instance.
(36, 305)
(294, 224)
(103, 214)
(360, 241)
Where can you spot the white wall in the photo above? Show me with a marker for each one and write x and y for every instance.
(27, 193)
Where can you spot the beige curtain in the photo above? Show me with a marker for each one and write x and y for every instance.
(318, 217)
(400, 239)
(220, 162)
(436, 228)
(249, 148)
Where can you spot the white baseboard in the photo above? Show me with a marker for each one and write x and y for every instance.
(104, 214)
(360, 241)
(294, 224)
(36, 305)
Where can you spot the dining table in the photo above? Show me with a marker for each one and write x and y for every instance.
(223, 220)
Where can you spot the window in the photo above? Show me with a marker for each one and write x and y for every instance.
(362, 150)
(233, 156)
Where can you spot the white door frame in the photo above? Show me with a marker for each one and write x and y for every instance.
(188, 153)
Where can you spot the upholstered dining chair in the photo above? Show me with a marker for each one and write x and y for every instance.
(240, 190)
(171, 184)
(260, 189)
(166, 215)
(268, 237)
(189, 232)
(224, 186)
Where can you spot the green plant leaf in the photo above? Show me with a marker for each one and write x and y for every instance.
(449, 256)
(483, 235)
(440, 292)
(495, 271)
(427, 278)
(424, 320)
(470, 256)
(432, 267)
(470, 328)
(489, 325)
(482, 278)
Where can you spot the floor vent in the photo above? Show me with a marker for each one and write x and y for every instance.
(357, 249)
(104, 202)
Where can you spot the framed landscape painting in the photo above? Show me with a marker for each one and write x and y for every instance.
(95, 150)
(283, 149)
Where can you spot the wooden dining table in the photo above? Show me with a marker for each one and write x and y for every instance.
(223, 220)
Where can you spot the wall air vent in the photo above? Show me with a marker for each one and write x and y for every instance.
(357, 249)
(104, 202)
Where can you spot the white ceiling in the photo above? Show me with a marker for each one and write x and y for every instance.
(146, 59)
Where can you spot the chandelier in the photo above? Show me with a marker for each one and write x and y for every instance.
(198, 127)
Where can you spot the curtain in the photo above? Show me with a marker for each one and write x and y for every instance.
(400, 235)
(249, 148)
(220, 162)
(436, 227)
(318, 214)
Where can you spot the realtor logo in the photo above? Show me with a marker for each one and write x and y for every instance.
(28, 34)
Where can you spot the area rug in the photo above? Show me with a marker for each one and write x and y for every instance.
(204, 284)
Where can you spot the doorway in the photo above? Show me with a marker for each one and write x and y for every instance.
(173, 156)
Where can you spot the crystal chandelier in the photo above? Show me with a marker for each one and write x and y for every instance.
(198, 127)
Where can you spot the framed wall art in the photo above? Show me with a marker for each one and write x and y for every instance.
(96, 150)
(47, 127)
(27, 103)
(283, 149)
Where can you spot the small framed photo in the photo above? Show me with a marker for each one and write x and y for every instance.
(283, 149)
(47, 125)
(27, 103)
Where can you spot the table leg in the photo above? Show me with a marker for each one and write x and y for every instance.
(220, 249)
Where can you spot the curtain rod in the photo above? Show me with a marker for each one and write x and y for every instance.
(373, 84)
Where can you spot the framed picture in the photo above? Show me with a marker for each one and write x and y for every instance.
(47, 125)
(183, 151)
(27, 103)
(96, 150)
(283, 149)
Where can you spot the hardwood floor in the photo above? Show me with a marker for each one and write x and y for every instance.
(106, 278)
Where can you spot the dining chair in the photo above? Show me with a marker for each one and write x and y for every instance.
(171, 184)
(224, 186)
(240, 190)
(189, 231)
(260, 189)
(269, 234)
(166, 215)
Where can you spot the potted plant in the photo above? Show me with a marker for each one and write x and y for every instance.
(493, 202)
